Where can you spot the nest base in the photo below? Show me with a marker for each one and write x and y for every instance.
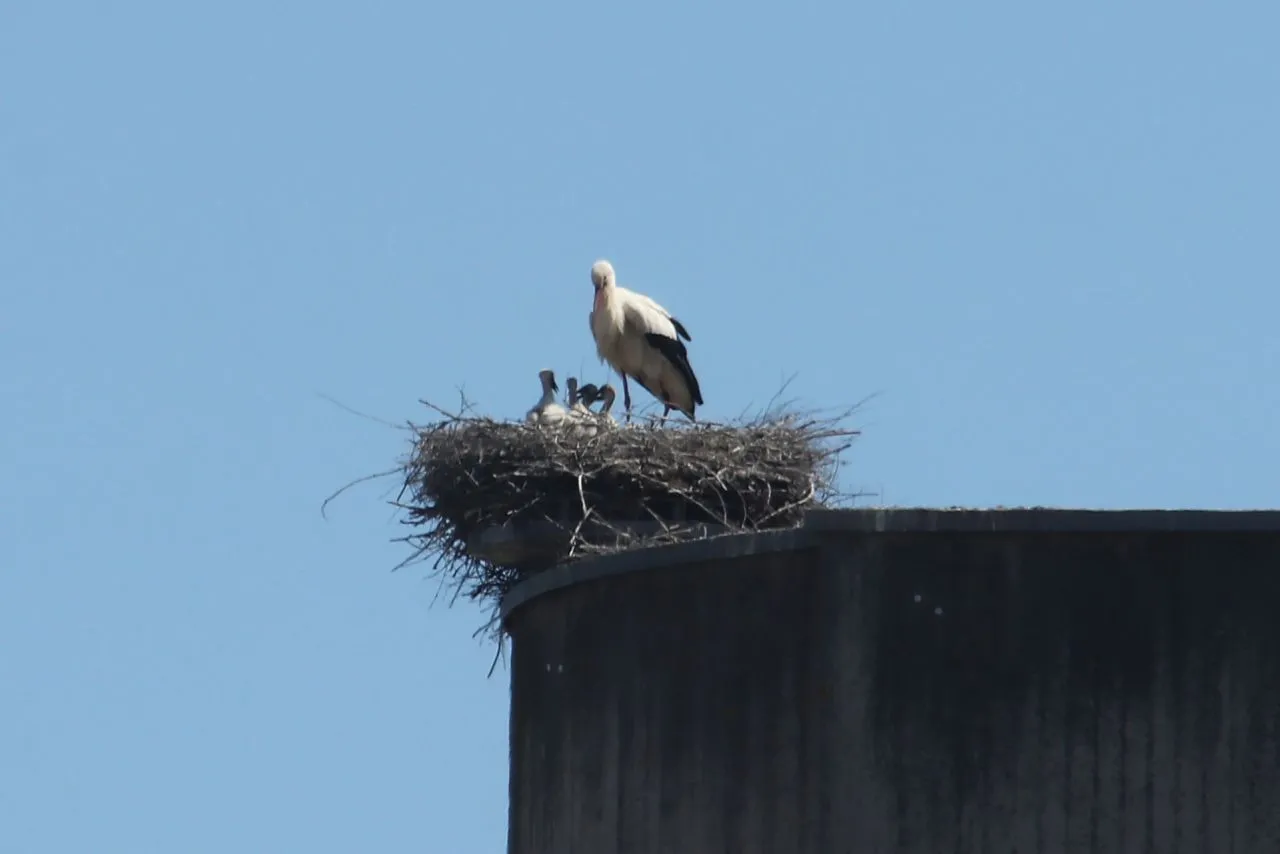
(494, 501)
(536, 546)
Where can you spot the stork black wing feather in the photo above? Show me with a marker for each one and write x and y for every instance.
(677, 355)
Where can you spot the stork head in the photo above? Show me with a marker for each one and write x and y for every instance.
(588, 394)
(602, 274)
(548, 378)
(607, 394)
(572, 384)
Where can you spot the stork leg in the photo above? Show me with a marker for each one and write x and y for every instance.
(626, 397)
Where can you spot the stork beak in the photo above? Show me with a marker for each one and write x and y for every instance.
(554, 387)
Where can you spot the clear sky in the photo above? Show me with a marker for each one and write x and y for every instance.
(1046, 237)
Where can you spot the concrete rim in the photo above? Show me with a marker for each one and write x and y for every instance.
(656, 557)
(888, 520)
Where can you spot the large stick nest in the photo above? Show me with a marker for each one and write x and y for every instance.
(467, 476)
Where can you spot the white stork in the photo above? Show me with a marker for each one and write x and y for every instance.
(546, 412)
(579, 417)
(607, 394)
(578, 397)
(590, 394)
(640, 339)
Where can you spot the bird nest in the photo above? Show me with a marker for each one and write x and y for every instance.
(472, 484)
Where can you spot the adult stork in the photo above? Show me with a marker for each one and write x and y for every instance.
(640, 339)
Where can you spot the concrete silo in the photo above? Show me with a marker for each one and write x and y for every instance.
(907, 681)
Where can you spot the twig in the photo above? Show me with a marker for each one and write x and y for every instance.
(358, 480)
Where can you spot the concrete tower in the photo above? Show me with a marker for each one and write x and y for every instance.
(907, 681)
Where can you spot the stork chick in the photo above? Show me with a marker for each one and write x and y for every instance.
(608, 395)
(546, 412)
(590, 394)
(580, 418)
(577, 397)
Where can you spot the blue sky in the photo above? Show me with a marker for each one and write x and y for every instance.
(1046, 237)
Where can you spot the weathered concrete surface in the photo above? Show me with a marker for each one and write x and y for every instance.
(955, 683)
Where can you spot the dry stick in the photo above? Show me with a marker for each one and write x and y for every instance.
(792, 506)
(586, 514)
(446, 413)
(501, 652)
(687, 497)
(343, 489)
